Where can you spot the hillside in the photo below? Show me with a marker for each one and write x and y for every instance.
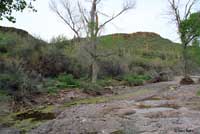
(144, 51)
(39, 80)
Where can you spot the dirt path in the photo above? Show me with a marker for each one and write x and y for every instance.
(161, 108)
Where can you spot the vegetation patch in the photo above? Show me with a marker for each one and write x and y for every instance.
(29, 119)
(198, 93)
(63, 81)
(35, 115)
(136, 80)
(103, 99)
(4, 96)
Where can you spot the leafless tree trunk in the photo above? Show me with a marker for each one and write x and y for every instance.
(180, 13)
(95, 27)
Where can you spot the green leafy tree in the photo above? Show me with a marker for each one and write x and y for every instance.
(188, 24)
(190, 31)
(196, 43)
(8, 6)
(190, 28)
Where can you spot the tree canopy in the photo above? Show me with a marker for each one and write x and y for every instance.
(8, 6)
(190, 27)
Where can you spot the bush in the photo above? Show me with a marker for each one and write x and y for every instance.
(112, 67)
(91, 88)
(136, 80)
(6, 44)
(4, 96)
(48, 61)
(16, 82)
(59, 41)
(198, 92)
(61, 82)
(67, 81)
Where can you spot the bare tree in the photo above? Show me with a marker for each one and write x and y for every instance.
(89, 22)
(69, 16)
(179, 13)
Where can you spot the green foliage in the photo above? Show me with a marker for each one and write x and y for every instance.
(67, 81)
(136, 80)
(190, 28)
(4, 96)
(63, 81)
(86, 86)
(90, 87)
(198, 92)
(8, 6)
(16, 82)
(106, 81)
(60, 41)
(196, 43)
(193, 52)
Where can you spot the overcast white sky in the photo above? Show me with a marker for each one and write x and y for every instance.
(148, 16)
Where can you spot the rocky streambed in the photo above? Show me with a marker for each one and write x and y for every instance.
(160, 108)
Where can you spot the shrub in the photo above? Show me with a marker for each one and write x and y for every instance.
(136, 80)
(48, 61)
(91, 88)
(59, 41)
(16, 82)
(61, 82)
(112, 67)
(6, 44)
(67, 81)
(198, 92)
(4, 96)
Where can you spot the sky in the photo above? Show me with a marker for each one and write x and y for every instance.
(147, 16)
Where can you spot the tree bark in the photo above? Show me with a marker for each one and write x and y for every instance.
(93, 38)
(185, 62)
(94, 71)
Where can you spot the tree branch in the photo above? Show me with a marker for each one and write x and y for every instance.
(128, 6)
(68, 20)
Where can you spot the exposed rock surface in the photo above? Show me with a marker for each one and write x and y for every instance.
(170, 109)
(7, 130)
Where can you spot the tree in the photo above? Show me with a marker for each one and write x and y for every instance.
(196, 43)
(84, 22)
(187, 25)
(8, 6)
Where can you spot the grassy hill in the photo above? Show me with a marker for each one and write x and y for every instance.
(144, 51)
(144, 47)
